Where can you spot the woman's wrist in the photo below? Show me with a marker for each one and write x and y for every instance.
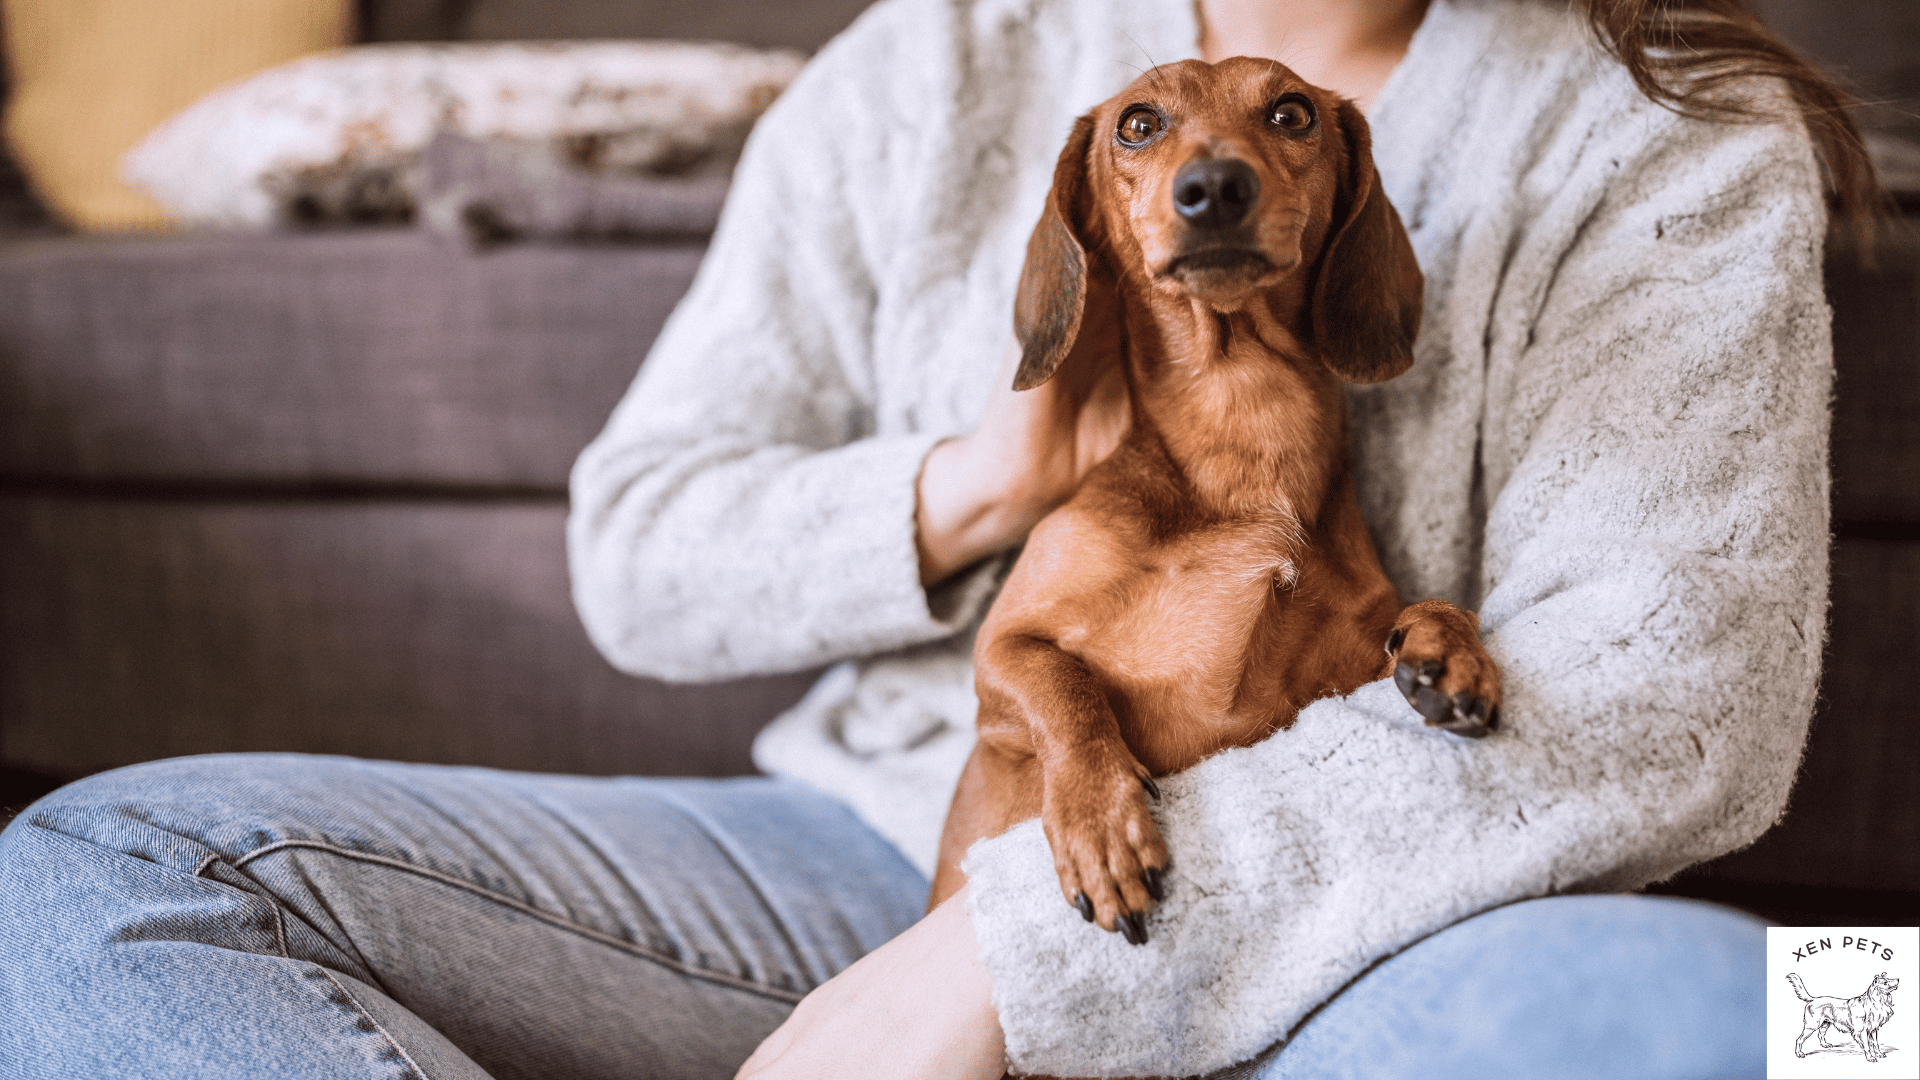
(966, 509)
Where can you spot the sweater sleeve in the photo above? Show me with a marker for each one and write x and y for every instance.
(1655, 547)
(739, 514)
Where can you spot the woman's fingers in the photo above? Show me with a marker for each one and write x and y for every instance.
(1049, 437)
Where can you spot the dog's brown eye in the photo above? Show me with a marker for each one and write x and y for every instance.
(1292, 113)
(1139, 126)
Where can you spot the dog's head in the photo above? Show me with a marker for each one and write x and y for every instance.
(1224, 184)
(1883, 985)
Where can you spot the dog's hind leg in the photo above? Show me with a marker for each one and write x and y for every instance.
(1808, 1027)
(995, 791)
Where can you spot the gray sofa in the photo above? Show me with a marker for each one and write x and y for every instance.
(305, 492)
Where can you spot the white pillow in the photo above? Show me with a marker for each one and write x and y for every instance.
(237, 156)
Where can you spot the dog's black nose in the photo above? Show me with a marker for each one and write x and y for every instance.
(1215, 193)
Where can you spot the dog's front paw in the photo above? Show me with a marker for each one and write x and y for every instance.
(1443, 671)
(1106, 848)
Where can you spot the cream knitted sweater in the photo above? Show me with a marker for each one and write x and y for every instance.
(1612, 444)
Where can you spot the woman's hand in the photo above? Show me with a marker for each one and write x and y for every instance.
(921, 1005)
(981, 493)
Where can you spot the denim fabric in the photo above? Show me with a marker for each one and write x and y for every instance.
(319, 917)
(1572, 988)
(278, 916)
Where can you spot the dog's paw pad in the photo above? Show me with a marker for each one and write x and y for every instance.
(1446, 676)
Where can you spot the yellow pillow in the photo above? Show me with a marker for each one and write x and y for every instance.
(89, 78)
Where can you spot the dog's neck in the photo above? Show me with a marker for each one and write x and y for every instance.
(1244, 408)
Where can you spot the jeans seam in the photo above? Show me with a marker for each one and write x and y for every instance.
(279, 912)
(377, 1025)
(600, 936)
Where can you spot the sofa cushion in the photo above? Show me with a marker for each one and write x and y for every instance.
(373, 356)
(488, 192)
(386, 356)
(791, 24)
(440, 630)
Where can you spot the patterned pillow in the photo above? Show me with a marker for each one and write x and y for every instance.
(337, 137)
(492, 192)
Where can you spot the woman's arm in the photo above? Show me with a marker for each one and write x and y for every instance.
(740, 513)
(1655, 454)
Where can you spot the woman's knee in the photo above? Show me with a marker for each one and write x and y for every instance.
(176, 813)
(114, 860)
(1566, 986)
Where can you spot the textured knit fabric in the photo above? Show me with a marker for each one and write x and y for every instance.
(1612, 444)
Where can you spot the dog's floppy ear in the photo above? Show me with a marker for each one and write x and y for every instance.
(1366, 300)
(1053, 282)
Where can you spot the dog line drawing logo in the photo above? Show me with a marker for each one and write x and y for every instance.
(1861, 1017)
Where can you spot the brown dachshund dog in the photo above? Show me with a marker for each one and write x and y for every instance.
(1221, 230)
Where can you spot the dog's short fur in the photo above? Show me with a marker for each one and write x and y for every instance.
(1220, 231)
(1861, 1017)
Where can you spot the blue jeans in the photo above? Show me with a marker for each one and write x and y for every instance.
(280, 916)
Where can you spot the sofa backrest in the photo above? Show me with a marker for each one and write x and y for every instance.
(795, 24)
(1872, 45)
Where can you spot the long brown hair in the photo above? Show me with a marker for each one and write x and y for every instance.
(1684, 54)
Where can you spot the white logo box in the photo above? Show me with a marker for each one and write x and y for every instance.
(1836, 965)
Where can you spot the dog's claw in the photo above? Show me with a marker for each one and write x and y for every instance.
(1468, 709)
(1156, 885)
(1469, 717)
(1432, 705)
(1442, 670)
(1410, 678)
(1395, 640)
(1103, 845)
(1133, 927)
(1462, 714)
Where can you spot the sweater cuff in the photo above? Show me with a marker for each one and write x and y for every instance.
(865, 497)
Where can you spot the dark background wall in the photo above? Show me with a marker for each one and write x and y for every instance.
(1873, 45)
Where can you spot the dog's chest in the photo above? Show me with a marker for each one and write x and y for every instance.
(1176, 627)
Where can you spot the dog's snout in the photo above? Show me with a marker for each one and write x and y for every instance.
(1215, 193)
